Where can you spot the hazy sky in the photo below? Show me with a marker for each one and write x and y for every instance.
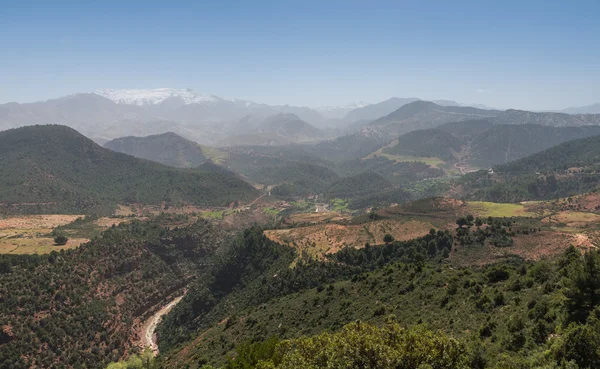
(521, 54)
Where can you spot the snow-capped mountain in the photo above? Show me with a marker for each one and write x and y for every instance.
(155, 96)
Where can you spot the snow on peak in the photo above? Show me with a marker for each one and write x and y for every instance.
(155, 96)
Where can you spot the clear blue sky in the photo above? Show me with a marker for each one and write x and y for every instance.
(521, 54)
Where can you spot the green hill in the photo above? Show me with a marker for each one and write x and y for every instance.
(427, 143)
(76, 309)
(297, 179)
(54, 168)
(567, 169)
(504, 143)
(583, 152)
(357, 185)
(167, 148)
(482, 144)
(520, 314)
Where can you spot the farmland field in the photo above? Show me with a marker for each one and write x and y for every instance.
(321, 239)
(31, 234)
(493, 209)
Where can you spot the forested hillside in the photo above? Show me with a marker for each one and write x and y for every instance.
(519, 316)
(427, 143)
(76, 308)
(481, 144)
(167, 148)
(55, 169)
(561, 171)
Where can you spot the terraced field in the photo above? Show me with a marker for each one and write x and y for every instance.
(31, 234)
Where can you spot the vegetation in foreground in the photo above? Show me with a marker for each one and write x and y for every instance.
(76, 308)
(521, 314)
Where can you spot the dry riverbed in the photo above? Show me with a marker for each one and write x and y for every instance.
(148, 336)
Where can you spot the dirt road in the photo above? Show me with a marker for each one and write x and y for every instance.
(149, 327)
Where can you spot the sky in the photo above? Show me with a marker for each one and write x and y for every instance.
(525, 54)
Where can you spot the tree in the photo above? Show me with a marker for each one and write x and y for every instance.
(61, 240)
(432, 248)
(583, 286)
(388, 238)
(461, 222)
(360, 345)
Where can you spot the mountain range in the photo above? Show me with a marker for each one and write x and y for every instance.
(212, 120)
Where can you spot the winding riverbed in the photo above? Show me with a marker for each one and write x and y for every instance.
(149, 327)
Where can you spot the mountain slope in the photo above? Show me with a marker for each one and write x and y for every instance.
(423, 115)
(374, 111)
(58, 167)
(427, 143)
(481, 144)
(80, 308)
(564, 170)
(167, 148)
(581, 153)
(504, 143)
(512, 116)
(276, 130)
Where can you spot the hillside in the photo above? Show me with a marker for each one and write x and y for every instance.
(427, 143)
(581, 153)
(357, 185)
(564, 170)
(482, 144)
(167, 148)
(297, 179)
(275, 130)
(513, 116)
(504, 143)
(81, 308)
(424, 115)
(516, 308)
(54, 168)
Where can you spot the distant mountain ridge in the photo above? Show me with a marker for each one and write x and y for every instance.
(589, 109)
(209, 119)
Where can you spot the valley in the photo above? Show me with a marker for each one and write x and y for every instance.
(299, 185)
(184, 254)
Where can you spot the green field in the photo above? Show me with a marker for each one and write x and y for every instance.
(431, 161)
(217, 214)
(338, 205)
(270, 211)
(493, 209)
